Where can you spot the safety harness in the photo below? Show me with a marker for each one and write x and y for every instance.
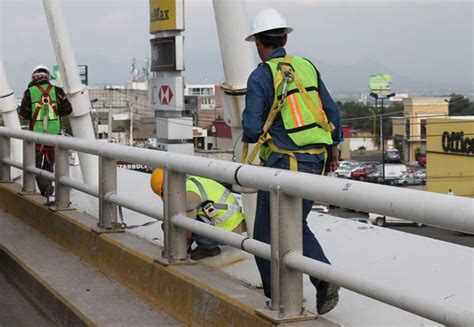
(284, 77)
(210, 208)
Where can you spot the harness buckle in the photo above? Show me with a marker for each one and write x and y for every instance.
(209, 209)
(286, 69)
(45, 99)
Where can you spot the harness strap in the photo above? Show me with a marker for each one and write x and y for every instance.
(276, 107)
(292, 153)
(201, 189)
(329, 127)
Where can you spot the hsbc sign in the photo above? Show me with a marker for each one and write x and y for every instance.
(167, 93)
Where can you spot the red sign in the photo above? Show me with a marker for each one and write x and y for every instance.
(165, 94)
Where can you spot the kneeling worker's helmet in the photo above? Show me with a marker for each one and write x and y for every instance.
(268, 20)
(156, 181)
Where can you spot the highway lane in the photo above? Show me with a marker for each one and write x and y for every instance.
(426, 231)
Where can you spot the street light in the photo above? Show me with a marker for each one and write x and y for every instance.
(382, 97)
(373, 113)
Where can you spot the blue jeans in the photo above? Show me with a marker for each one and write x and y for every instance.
(261, 232)
(202, 241)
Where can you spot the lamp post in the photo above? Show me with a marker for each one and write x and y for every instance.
(373, 113)
(382, 97)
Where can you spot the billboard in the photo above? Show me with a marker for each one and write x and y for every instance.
(380, 83)
(167, 93)
(83, 74)
(167, 54)
(166, 15)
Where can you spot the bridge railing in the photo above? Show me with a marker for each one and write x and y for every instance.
(286, 189)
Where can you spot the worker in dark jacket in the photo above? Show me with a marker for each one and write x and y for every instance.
(43, 104)
(291, 116)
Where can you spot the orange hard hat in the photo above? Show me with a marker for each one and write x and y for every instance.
(156, 181)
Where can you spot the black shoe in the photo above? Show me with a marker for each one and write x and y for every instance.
(49, 191)
(201, 253)
(327, 297)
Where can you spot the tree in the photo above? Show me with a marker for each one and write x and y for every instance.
(459, 105)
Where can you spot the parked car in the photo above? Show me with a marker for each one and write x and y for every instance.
(392, 156)
(381, 220)
(392, 173)
(361, 173)
(344, 169)
(320, 208)
(420, 174)
(422, 160)
(410, 179)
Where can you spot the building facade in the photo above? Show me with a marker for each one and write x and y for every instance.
(409, 132)
(204, 103)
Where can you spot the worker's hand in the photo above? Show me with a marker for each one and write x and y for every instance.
(335, 159)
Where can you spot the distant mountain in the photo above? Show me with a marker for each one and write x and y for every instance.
(355, 78)
(205, 66)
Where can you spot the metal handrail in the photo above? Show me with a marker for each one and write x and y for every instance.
(390, 201)
(431, 208)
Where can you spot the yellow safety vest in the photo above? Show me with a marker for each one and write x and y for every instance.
(228, 213)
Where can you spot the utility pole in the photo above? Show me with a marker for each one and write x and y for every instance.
(109, 120)
(382, 96)
(131, 125)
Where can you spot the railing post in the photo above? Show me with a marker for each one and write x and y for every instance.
(286, 236)
(29, 159)
(174, 201)
(5, 171)
(61, 169)
(275, 246)
(290, 240)
(107, 184)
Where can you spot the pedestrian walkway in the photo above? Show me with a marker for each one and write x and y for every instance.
(63, 286)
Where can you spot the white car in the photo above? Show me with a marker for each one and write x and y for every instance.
(381, 220)
(344, 169)
(319, 208)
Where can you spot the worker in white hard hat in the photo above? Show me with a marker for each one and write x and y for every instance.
(293, 120)
(42, 105)
(209, 202)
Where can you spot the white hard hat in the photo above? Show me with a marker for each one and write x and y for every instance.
(41, 67)
(266, 20)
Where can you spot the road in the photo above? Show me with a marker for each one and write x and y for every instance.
(426, 231)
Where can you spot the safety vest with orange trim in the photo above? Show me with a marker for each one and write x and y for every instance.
(303, 115)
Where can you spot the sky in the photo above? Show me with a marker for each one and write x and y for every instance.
(423, 43)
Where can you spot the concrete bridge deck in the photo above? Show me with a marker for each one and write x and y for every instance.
(77, 276)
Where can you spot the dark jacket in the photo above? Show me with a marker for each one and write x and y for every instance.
(63, 104)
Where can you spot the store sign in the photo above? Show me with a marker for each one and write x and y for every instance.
(166, 15)
(167, 93)
(380, 83)
(167, 54)
(455, 142)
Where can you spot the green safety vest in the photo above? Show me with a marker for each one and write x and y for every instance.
(229, 214)
(44, 114)
(301, 125)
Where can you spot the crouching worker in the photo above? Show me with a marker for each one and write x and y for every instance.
(209, 202)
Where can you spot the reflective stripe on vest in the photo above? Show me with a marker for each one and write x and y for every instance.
(44, 117)
(303, 116)
(229, 214)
